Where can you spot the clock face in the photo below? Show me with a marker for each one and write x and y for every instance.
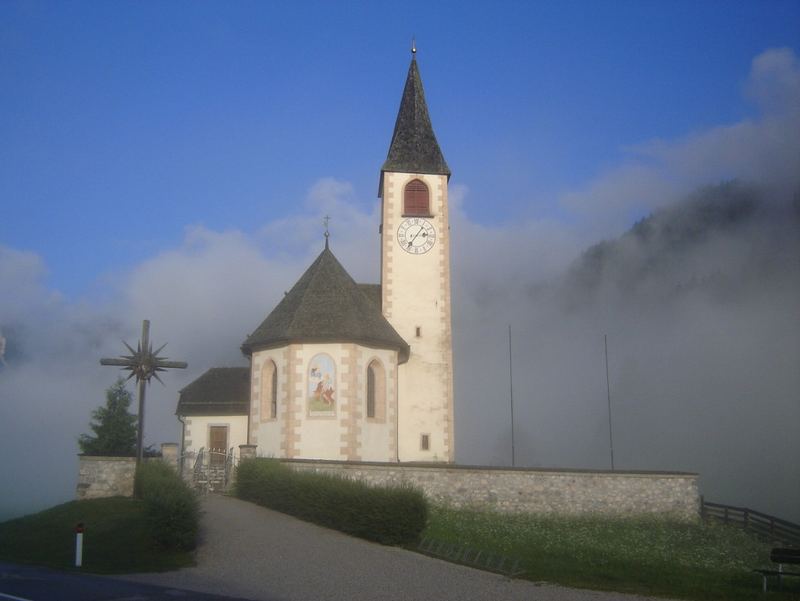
(416, 235)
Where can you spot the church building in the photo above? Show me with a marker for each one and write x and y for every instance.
(347, 371)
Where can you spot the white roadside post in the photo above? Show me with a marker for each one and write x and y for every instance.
(79, 545)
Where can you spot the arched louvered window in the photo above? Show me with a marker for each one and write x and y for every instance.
(376, 391)
(269, 390)
(416, 199)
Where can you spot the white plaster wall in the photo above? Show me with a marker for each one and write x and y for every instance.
(377, 435)
(416, 292)
(266, 433)
(320, 437)
(197, 428)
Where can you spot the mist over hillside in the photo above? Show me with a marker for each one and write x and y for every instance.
(699, 302)
(720, 242)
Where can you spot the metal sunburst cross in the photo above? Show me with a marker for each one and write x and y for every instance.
(143, 363)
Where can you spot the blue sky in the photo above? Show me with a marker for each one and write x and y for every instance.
(173, 161)
(124, 122)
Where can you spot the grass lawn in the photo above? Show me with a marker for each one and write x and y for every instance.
(701, 561)
(116, 540)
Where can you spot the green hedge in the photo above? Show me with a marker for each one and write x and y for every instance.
(171, 507)
(390, 515)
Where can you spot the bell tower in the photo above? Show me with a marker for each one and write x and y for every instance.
(415, 277)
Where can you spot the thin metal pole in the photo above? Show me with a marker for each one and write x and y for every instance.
(511, 396)
(140, 432)
(608, 392)
(145, 347)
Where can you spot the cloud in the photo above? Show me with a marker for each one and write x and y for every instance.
(658, 171)
(774, 81)
(201, 293)
(353, 232)
(46, 386)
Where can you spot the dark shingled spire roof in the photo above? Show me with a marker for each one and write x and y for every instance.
(414, 148)
(326, 305)
(219, 391)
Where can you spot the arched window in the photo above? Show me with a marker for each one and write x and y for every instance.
(273, 401)
(376, 391)
(269, 390)
(416, 200)
(370, 391)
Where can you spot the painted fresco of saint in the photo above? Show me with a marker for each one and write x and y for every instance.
(321, 389)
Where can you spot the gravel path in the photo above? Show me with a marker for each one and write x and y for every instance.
(249, 551)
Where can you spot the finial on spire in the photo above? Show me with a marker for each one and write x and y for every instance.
(413, 46)
(325, 221)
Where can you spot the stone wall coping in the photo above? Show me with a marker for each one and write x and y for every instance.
(105, 458)
(492, 468)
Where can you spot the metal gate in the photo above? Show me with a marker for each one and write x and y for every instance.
(209, 470)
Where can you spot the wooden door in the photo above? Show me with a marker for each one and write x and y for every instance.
(217, 443)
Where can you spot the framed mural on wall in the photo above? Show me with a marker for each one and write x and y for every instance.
(321, 386)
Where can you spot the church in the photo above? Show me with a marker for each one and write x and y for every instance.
(345, 371)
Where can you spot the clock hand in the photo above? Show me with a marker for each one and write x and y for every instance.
(419, 231)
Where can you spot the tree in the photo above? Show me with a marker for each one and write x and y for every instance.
(114, 426)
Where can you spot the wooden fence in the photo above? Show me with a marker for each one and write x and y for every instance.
(767, 526)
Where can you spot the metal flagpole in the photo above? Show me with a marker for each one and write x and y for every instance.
(608, 393)
(511, 396)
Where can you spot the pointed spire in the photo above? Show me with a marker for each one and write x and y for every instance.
(414, 148)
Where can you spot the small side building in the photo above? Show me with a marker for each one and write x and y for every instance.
(213, 410)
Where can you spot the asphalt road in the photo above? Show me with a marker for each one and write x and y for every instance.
(27, 583)
(251, 552)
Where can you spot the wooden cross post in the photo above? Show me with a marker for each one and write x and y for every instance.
(143, 364)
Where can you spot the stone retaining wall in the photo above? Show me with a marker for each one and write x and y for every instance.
(571, 492)
(113, 476)
(105, 476)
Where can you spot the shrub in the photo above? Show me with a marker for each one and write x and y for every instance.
(171, 507)
(390, 515)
